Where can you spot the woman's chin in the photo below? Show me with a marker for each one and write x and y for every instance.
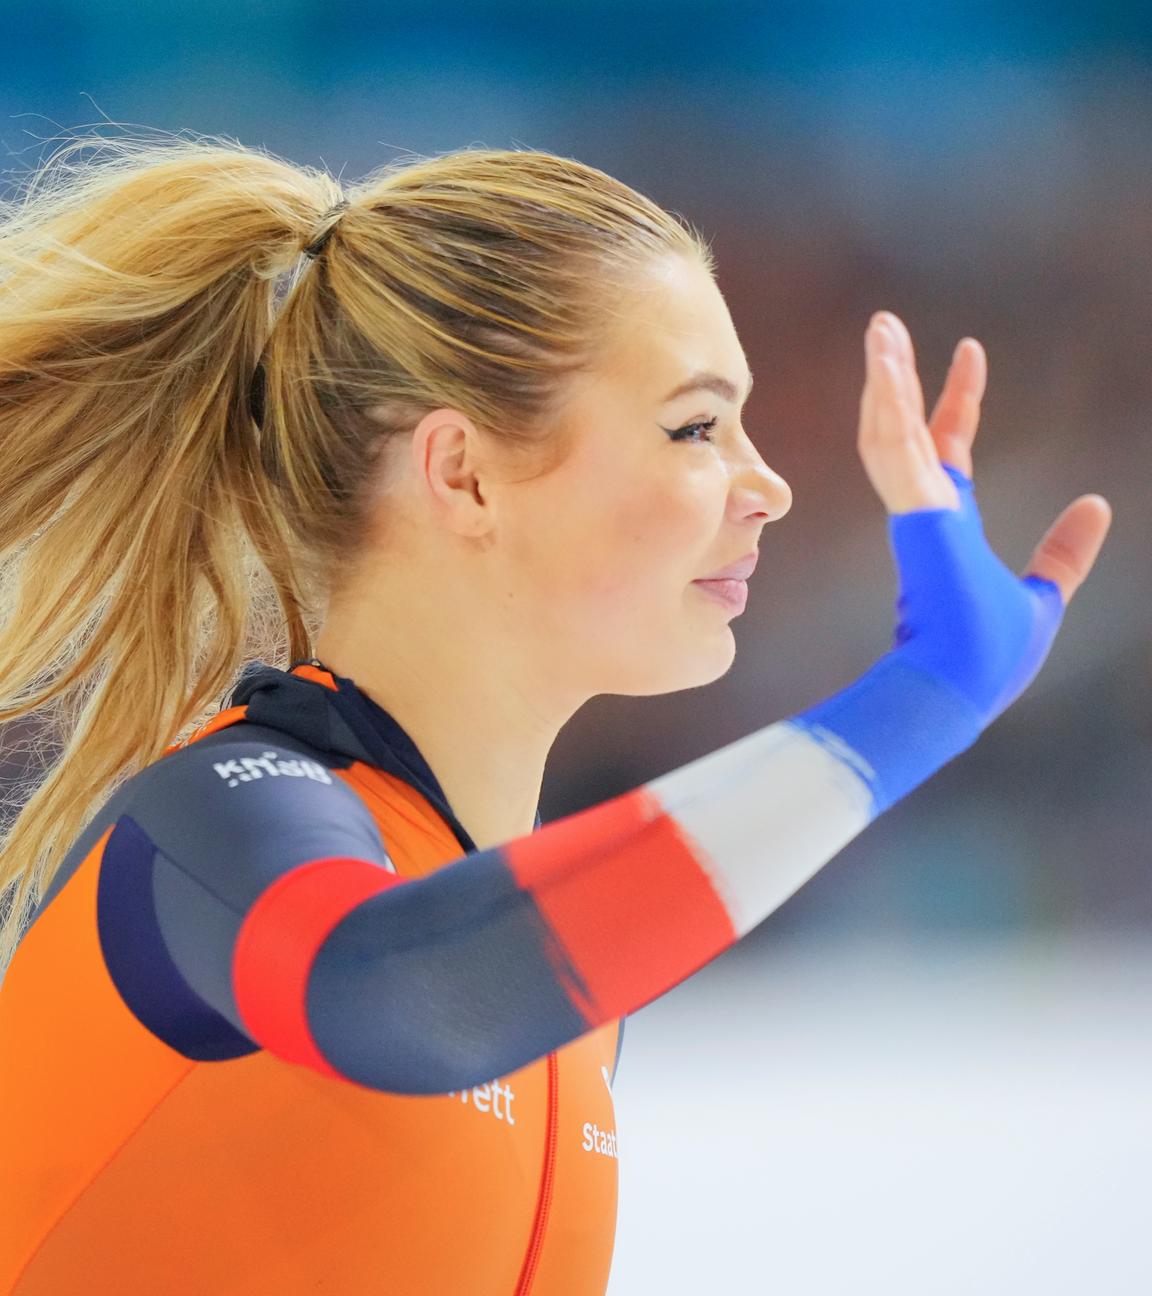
(693, 666)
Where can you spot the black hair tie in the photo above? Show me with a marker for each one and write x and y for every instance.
(313, 250)
(257, 389)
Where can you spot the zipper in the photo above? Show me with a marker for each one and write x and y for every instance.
(544, 1205)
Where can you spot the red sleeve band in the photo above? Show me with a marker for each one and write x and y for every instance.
(629, 859)
(277, 944)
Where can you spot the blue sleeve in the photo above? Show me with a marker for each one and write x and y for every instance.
(970, 637)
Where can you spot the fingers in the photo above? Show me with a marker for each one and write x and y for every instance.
(956, 416)
(895, 423)
(1070, 545)
(957, 413)
(909, 378)
(894, 443)
(903, 456)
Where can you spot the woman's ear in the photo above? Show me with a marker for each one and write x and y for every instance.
(450, 471)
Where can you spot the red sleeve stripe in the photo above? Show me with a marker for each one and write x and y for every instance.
(626, 895)
(277, 944)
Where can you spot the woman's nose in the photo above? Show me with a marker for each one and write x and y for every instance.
(760, 489)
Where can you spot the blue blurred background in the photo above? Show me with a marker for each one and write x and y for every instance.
(979, 168)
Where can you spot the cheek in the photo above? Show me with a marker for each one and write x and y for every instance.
(635, 546)
(600, 582)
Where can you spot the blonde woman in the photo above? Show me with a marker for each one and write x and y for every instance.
(301, 996)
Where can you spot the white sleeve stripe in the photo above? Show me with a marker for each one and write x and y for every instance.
(765, 813)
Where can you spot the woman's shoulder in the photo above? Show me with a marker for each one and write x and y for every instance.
(252, 787)
(245, 797)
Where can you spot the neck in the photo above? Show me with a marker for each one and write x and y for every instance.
(470, 710)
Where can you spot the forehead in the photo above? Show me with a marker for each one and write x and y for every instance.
(671, 323)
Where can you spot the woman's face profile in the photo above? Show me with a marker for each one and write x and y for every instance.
(601, 553)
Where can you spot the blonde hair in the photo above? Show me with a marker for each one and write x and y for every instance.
(153, 534)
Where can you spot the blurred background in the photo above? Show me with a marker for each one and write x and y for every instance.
(931, 1070)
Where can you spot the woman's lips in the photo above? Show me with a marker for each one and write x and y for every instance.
(732, 593)
(741, 569)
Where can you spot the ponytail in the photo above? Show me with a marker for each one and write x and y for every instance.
(136, 294)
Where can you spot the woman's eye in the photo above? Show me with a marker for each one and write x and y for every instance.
(682, 434)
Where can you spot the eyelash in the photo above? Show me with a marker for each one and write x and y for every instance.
(677, 434)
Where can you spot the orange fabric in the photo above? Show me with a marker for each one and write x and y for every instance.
(128, 1168)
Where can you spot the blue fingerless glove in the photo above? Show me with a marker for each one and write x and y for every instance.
(970, 637)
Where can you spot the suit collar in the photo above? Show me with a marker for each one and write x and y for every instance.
(332, 714)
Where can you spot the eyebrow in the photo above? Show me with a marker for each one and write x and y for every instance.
(709, 382)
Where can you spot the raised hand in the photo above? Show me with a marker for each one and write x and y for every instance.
(903, 454)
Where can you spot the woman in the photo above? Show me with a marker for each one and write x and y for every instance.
(310, 1000)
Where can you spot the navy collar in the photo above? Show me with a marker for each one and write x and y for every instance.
(345, 720)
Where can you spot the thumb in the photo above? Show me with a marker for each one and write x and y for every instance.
(1071, 543)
